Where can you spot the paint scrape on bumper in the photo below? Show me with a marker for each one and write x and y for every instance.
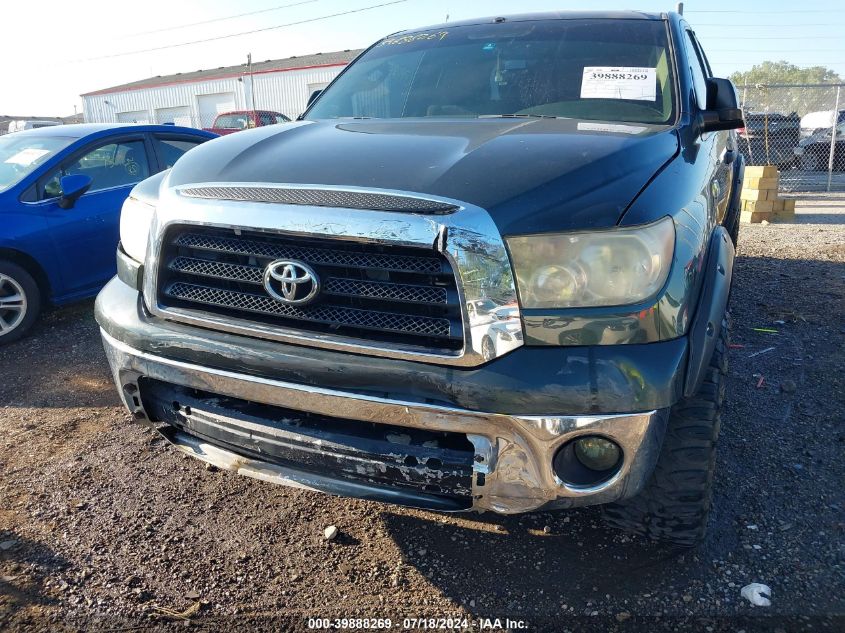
(351, 444)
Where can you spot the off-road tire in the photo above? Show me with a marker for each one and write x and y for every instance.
(674, 505)
(21, 277)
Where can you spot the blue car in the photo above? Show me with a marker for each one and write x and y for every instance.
(61, 191)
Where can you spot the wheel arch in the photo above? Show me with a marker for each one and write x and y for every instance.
(32, 266)
(732, 217)
(704, 328)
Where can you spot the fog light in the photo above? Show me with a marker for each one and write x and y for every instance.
(597, 453)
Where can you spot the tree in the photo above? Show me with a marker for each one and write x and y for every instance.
(784, 73)
(758, 94)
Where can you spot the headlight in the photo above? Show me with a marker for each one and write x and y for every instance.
(135, 220)
(619, 266)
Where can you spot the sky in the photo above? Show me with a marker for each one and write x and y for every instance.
(58, 50)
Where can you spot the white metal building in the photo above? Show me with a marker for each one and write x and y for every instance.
(195, 99)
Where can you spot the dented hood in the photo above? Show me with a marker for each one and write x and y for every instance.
(532, 175)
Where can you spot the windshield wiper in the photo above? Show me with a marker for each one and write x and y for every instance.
(519, 116)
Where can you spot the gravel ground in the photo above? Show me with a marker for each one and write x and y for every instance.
(104, 526)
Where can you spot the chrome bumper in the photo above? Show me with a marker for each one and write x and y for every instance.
(513, 454)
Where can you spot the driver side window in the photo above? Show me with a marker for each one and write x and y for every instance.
(110, 165)
(699, 73)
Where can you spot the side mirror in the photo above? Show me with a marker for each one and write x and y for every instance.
(313, 96)
(72, 189)
(723, 111)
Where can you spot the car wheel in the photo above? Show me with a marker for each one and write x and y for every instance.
(488, 349)
(674, 505)
(20, 302)
(810, 161)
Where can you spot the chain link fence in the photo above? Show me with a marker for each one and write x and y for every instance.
(225, 120)
(223, 123)
(800, 128)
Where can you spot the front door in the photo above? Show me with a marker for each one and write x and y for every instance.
(85, 237)
(722, 144)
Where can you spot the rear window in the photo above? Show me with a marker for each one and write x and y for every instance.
(170, 149)
(612, 70)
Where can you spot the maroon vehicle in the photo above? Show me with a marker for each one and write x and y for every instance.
(238, 120)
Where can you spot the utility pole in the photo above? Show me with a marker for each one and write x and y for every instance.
(251, 81)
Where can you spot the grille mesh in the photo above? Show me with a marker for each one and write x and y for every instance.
(322, 198)
(396, 292)
(324, 314)
(333, 285)
(239, 246)
(208, 268)
(368, 291)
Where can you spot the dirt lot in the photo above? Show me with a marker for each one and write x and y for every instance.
(103, 526)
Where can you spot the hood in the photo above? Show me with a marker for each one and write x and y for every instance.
(532, 175)
(818, 136)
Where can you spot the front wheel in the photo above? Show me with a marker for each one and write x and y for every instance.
(674, 505)
(20, 302)
(488, 349)
(810, 161)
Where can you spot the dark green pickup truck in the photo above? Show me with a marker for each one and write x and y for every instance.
(487, 269)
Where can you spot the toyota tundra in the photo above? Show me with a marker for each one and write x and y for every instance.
(487, 269)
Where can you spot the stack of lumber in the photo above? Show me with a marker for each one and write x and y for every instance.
(760, 199)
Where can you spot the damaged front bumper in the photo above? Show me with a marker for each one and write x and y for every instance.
(400, 451)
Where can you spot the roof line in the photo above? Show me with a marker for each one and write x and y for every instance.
(201, 79)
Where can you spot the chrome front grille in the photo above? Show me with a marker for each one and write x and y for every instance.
(369, 292)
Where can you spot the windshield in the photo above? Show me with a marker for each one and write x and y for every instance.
(233, 121)
(21, 154)
(609, 70)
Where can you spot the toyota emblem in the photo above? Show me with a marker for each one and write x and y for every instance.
(291, 282)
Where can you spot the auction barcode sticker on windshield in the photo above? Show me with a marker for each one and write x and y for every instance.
(619, 82)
